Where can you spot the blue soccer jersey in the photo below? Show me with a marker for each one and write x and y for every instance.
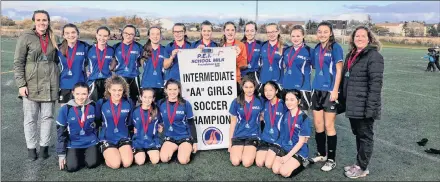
(173, 70)
(197, 43)
(73, 65)
(272, 119)
(175, 119)
(146, 135)
(115, 119)
(81, 128)
(152, 77)
(127, 57)
(324, 62)
(298, 68)
(302, 127)
(253, 57)
(99, 62)
(247, 127)
(271, 63)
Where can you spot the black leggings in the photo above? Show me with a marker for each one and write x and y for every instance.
(79, 157)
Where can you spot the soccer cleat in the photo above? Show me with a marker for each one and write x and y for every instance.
(329, 165)
(319, 158)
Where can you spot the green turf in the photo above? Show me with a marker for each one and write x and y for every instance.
(411, 111)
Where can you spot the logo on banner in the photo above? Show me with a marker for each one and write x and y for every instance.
(212, 136)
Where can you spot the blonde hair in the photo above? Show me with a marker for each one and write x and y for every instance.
(279, 39)
(116, 80)
(372, 40)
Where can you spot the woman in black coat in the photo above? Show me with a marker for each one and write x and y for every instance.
(361, 94)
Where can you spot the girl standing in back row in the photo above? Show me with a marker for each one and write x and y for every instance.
(328, 62)
(297, 61)
(152, 62)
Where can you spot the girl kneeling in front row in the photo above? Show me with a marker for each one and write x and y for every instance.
(245, 124)
(77, 131)
(292, 152)
(178, 119)
(146, 119)
(114, 111)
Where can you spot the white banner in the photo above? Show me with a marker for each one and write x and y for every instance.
(208, 78)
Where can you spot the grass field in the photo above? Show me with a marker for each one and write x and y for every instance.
(411, 111)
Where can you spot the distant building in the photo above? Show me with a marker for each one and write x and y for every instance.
(339, 26)
(285, 24)
(395, 28)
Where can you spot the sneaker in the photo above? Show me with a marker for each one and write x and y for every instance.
(329, 165)
(348, 168)
(319, 158)
(356, 172)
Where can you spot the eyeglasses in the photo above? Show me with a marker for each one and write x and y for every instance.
(178, 31)
(273, 32)
(128, 34)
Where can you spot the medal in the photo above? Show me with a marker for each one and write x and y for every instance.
(251, 54)
(145, 124)
(44, 57)
(350, 62)
(292, 58)
(248, 112)
(249, 66)
(290, 72)
(171, 117)
(270, 56)
(126, 57)
(70, 59)
(155, 60)
(292, 127)
(100, 61)
(82, 120)
(117, 115)
(320, 73)
(44, 45)
(272, 114)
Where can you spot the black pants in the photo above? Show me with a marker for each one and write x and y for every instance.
(437, 63)
(430, 65)
(77, 158)
(363, 130)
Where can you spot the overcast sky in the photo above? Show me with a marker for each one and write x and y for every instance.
(221, 11)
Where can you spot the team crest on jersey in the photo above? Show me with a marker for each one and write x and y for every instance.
(80, 53)
(108, 111)
(73, 118)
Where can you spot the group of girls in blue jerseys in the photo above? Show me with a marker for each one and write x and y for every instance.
(109, 109)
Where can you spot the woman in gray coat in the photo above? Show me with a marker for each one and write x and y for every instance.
(361, 94)
(37, 78)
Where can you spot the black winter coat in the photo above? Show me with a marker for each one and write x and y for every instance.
(360, 92)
